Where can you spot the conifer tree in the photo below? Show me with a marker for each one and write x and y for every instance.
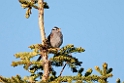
(41, 70)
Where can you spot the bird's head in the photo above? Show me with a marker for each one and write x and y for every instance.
(56, 29)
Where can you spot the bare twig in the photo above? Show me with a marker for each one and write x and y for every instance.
(64, 66)
(63, 69)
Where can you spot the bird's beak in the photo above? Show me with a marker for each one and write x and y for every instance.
(59, 29)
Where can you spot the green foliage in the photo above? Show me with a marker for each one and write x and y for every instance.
(16, 79)
(119, 81)
(88, 72)
(60, 56)
(29, 4)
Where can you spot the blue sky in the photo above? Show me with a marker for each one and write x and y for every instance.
(96, 25)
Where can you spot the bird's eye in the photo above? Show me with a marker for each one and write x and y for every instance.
(54, 29)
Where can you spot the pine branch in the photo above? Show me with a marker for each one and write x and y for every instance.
(83, 78)
(13, 79)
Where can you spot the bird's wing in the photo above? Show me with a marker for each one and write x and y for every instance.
(61, 35)
(48, 38)
(61, 39)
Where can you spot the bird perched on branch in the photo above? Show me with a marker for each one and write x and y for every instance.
(55, 39)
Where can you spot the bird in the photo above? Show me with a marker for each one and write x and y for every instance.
(55, 38)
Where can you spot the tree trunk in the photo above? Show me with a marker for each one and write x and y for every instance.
(41, 19)
(43, 37)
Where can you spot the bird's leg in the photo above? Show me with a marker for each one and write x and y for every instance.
(57, 49)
